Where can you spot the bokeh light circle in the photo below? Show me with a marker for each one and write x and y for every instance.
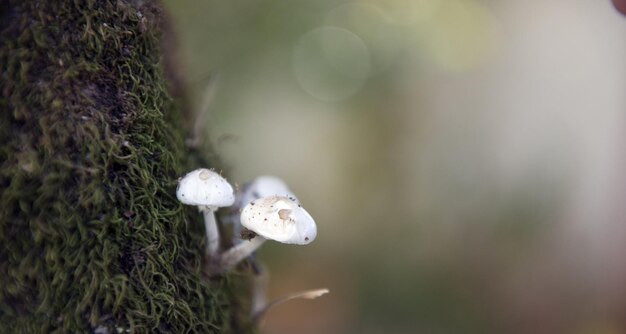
(331, 63)
(382, 35)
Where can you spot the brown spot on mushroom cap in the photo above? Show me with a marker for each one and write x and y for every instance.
(204, 175)
(284, 214)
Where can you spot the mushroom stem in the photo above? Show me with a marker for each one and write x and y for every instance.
(212, 232)
(309, 294)
(239, 252)
(259, 291)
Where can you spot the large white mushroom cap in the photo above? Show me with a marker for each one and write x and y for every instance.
(279, 218)
(205, 187)
(265, 186)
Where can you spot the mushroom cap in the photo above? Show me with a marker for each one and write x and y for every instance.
(279, 218)
(265, 186)
(205, 187)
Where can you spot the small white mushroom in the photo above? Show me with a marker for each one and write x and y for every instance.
(265, 186)
(208, 191)
(262, 186)
(277, 218)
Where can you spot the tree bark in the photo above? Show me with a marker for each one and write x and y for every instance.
(92, 238)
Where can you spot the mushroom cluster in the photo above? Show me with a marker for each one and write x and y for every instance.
(266, 208)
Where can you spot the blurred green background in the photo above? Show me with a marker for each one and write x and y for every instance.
(463, 159)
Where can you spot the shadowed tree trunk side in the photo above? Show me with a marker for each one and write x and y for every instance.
(91, 146)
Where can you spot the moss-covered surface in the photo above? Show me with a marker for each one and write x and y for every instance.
(91, 146)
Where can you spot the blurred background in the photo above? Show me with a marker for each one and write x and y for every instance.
(464, 159)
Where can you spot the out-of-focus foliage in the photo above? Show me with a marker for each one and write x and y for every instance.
(461, 157)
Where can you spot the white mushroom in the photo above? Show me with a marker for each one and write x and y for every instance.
(262, 186)
(209, 191)
(265, 186)
(277, 218)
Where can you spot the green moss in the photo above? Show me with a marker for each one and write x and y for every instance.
(91, 146)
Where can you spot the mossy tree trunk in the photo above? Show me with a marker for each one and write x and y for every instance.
(91, 145)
